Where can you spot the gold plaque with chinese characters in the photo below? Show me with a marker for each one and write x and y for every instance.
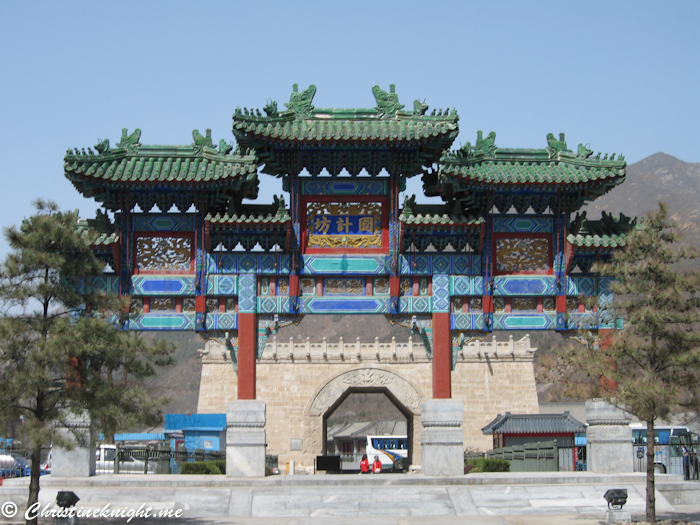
(344, 224)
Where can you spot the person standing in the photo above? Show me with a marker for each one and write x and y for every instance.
(364, 465)
(377, 465)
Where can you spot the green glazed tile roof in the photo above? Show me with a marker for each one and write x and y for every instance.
(425, 215)
(499, 173)
(159, 165)
(250, 217)
(324, 125)
(597, 241)
(102, 175)
(97, 227)
(351, 139)
(252, 214)
(608, 232)
(487, 165)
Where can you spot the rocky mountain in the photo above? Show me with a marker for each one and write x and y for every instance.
(659, 177)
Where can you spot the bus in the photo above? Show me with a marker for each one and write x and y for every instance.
(392, 451)
(669, 445)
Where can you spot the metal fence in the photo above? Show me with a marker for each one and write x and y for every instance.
(530, 457)
(681, 460)
(150, 460)
(544, 456)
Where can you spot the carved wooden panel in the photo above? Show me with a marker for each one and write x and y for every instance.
(212, 304)
(344, 286)
(307, 286)
(476, 304)
(162, 304)
(381, 286)
(164, 253)
(526, 254)
(523, 304)
(188, 304)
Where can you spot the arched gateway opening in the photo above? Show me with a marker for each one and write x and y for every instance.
(379, 426)
(404, 395)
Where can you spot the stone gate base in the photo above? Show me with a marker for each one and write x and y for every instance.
(442, 441)
(79, 461)
(609, 437)
(245, 439)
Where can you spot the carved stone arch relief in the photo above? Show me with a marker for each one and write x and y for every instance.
(403, 391)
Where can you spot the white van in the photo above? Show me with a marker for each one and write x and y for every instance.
(104, 462)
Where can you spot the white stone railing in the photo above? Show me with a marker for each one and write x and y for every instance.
(413, 351)
(503, 350)
(354, 351)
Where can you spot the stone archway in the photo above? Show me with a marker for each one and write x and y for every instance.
(399, 390)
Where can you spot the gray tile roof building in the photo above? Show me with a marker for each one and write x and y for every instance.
(534, 424)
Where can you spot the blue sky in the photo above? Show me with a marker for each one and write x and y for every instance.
(622, 76)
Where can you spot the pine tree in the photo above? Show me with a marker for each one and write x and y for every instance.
(61, 351)
(651, 367)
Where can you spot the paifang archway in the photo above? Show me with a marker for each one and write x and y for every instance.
(400, 391)
(456, 272)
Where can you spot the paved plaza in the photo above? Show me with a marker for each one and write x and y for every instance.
(385, 499)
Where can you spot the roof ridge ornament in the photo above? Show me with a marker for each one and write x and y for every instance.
(419, 108)
(201, 141)
(408, 204)
(130, 143)
(575, 226)
(487, 145)
(224, 147)
(583, 151)
(300, 103)
(387, 103)
(556, 146)
(102, 146)
(281, 208)
(271, 109)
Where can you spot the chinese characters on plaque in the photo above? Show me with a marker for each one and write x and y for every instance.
(354, 225)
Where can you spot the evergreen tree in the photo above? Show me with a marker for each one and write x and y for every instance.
(61, 351)
(651, 367)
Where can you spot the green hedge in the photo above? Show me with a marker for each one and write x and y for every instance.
(217, 466)
(487, 465)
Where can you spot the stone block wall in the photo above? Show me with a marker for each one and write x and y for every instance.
(298, 391)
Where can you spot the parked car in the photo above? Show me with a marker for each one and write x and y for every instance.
(46, 466)
(14, 466)
(22, 465)
(7, 465)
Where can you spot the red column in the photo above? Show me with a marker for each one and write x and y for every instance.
(442, 356)
(247, 353)
(604, 342)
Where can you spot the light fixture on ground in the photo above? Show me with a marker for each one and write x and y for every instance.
(616, 499)
(66, 499)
